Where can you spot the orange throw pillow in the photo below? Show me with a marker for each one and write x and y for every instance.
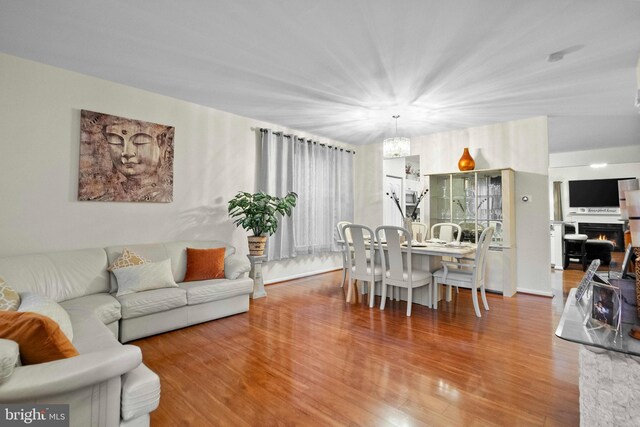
(39, 337)
(204, 264)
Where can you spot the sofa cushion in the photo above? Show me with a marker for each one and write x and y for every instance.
(127, 259)
(178, 253)
(152, 252)
(9, 357)
(90, 334)
(140, 392)
(214, 290)
(58, 275)
(39, 337)
(104, 306)
(144, 277)
(47, 307)
(147, 302)
(204, 264)
(9, 298)
(236, 266)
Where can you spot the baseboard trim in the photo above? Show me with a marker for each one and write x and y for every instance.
(301, 275)
(535, 292)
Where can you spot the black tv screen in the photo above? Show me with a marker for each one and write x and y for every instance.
(594, 193)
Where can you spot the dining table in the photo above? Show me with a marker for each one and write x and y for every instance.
(427, 256)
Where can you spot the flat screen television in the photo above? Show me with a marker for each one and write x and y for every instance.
(594, 193)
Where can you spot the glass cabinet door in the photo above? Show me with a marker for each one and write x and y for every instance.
(490, 204)
(440, 209)
(472, 200)
(463, 204)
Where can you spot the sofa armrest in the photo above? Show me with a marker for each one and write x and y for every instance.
(236, 266)
(61, 376)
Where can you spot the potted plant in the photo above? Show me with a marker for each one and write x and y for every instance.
(258, 213)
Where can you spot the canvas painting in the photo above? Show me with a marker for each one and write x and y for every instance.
(124, 160)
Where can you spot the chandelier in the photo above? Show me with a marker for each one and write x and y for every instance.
(398, 146)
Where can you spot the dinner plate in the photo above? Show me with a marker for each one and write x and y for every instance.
(435, 241)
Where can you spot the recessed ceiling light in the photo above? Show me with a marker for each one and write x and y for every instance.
(598, 165)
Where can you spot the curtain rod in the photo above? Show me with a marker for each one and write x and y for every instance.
(310, 141)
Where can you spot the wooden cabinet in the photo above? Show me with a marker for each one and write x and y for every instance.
(476, 200)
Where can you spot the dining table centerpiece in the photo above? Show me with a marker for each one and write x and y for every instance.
(408, 219)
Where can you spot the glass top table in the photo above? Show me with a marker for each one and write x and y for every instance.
(572, 328)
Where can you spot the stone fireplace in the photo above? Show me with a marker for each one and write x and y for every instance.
(604, 231)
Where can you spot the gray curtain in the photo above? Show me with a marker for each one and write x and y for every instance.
(322, 176)
(276, 179)
(324, 182)
(557, 201)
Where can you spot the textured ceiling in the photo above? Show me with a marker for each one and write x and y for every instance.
(340, 69)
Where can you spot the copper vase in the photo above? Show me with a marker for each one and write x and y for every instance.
(466, 162)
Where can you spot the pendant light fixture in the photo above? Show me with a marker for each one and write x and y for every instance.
(398, 146)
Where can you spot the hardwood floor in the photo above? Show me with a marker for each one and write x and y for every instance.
(302, 356)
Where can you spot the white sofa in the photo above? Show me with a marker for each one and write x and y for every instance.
(152, 312)
(107, 384)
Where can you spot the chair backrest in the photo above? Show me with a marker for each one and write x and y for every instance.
(393, 261)
(358, 233)
(419, 227)
(447, 231)
(481, 254)
(341, 235)
(497, 225)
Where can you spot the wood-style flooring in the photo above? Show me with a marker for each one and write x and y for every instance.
(303, 356)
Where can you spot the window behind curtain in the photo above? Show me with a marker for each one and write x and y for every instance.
(323, 178)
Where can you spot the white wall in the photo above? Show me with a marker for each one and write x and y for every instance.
(215, 156)
(521, 145)
(369, 191)
(612, 156)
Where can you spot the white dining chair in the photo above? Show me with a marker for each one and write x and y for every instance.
(419, 229)
(469, 275)
(446, 231)
(362, 260)
(345, 245)
(397, 268)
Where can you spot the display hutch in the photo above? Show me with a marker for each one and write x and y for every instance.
(476, 200)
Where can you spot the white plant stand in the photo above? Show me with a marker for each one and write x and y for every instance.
(256, 275)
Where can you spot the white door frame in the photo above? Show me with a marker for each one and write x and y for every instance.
(390, 214)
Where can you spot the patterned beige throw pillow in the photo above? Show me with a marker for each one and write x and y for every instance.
(128, 259)
(9, 299)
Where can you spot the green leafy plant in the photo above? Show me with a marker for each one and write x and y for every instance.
(258, 212)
